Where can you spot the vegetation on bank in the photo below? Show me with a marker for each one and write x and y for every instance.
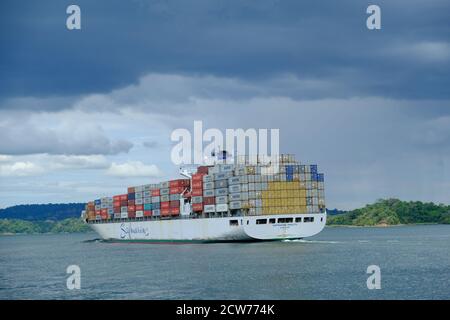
(70, 225)
(43, 212)
(381, 213)
(393, 212)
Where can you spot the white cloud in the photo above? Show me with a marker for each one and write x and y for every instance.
(31, 136)
(20, 169)
(4, 158)
(133, 169)
(426, 51)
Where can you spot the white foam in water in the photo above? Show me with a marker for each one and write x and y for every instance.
(311, 241)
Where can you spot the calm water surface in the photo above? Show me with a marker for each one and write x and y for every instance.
(414, 262)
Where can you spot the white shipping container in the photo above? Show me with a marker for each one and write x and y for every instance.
(208, 185)
(244, 187)
(124, 209)
(235, 205)
(139, 214)
(209, 208)
(138, 201)
(222, 207)
(148, 200)
(138, 189)
(234, 196)
(124, 214)
(156, 212)
(208, 193)
(221, 199)
(236, 188)
(234, 180)
(208, 178)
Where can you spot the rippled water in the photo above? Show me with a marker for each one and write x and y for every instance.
(414, 262)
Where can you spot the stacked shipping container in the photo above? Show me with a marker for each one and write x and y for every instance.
(223, 188)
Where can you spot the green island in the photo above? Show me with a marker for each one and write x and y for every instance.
(388, 212)
(384, 212)
(69, 225)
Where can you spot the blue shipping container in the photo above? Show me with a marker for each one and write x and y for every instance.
(320, 177)
(289, 169)
(131, 196)
(289, 177)
(313, 168)
(148, 206)
(97, 201)
(314, 177)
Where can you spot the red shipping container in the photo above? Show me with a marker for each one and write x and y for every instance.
(98, 212)
(197, 192)
(197, 184)
(104, 216)
(131, 190)
(139, 207)
(179, 183)
(165, 211)
(165, 205)
(131, 202)
(116, 198)
(147, 213)
(197, 207)
(174, 211)
(116, 209)
(131, 214)
(124, 203)
(175, 204)
(175, 183)
(124, 197)
(155, 193)
(131, 208)
(197, 177)
(104, 211)
(202, 169)
(176, 190)
(116, 204)
(209, 200)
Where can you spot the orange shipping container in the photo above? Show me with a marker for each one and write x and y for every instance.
(176, 190)
(197, 192)
(174, 211)
(131, 190)
(165, 205)
(165, 211)
(197, 184)
(147, 213)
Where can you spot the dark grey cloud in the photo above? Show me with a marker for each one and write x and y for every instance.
(327, 41)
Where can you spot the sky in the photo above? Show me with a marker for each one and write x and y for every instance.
(86, 113)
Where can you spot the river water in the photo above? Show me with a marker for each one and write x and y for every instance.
(414, 262)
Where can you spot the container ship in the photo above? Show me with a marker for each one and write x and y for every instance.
(247, 200)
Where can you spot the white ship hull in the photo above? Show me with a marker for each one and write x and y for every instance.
(211, 229)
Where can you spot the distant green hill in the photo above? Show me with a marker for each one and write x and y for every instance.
(23, 226)
(393, 212)
(42, 218)
(36, 212)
